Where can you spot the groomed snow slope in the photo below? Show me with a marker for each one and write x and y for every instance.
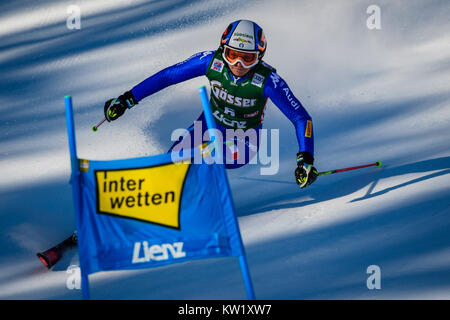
(373, 95)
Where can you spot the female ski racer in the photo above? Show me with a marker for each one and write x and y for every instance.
(241, 82)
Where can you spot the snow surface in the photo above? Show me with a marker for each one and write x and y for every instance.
(373, 95)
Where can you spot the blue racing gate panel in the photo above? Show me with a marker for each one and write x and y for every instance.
(150, 211)
(140, 216)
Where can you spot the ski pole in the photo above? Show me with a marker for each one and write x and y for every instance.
(378, 164)
(95, 128)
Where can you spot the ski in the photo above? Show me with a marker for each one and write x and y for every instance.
(51, 256)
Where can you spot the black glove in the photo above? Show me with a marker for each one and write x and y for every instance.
(116, 107)
(305, 173)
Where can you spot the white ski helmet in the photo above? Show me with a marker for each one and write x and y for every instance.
(245, 35)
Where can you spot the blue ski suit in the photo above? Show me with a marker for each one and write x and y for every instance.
(275, 88)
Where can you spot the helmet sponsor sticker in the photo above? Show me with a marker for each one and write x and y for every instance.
(217, 65)
(242, 40)
(151, 194)
(239, 39)
(245, 35)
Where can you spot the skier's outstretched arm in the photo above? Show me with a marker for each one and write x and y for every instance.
(281, 95)
(193, 67)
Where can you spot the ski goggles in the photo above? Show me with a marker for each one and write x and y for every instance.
(246, 58)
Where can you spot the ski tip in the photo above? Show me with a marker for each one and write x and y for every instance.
(378, 163)
(44, 261)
